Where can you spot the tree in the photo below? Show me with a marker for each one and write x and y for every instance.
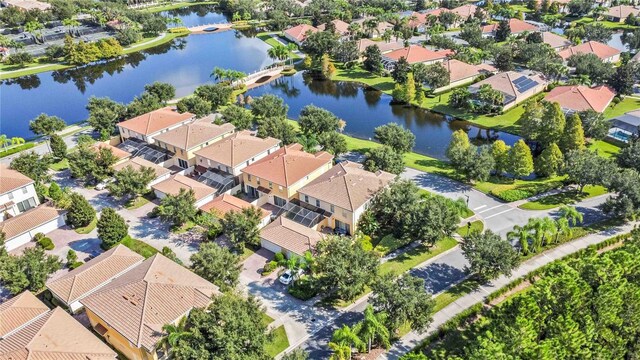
(591, 66)
(163, 91)
(395, 136)
(45, 125)
(436, 218)
(489, 100)
(111, 228)
(242, 227)
(458, 149)
(448, 18)
(28, 271)
(269, 106)
(345, 268)
(227, 329)
(326, 66)
(500, 154)
(594, 124)
(58, 147)
(373, 59)
(104, 114)
(521, 161)
(632, 39)
(489, 255)
(629, 156)
(278, 128)
(333, 143)
(571, 214)
(296, 354)
(216, 94)
(503, 58)
(32, 166)
(91, 163)
(178, 208)
(573, 137)
(597, 32)
(128, 36)
(217, 264)
(55, 192)
(320, 43)
(317, 121)
(584, 167)
(550, 161)
(436, 76)
(130, 182)
(343, 340)
(403, 300)
(240, 117)
(625, 204)
(624, 78)
(80, 213)
(503, 31)
(384, 158)
(143, 104)
(195, 105)
(401, 70)
(372, 328)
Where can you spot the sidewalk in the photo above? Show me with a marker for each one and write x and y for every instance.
(413, 339)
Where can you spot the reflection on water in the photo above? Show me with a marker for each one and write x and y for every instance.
(364, 108)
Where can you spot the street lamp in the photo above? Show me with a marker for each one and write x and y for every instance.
(467, 200)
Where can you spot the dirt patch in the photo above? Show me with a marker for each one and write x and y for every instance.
(523, 285)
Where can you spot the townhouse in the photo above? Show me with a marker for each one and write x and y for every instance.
(171, 186)
(137, 163)
(147, 126)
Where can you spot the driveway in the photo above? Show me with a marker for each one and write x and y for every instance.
(300, 318)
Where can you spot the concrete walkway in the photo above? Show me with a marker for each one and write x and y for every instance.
(413, 339)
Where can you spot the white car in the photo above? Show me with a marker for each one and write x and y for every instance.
(286, 278)
(103, 184)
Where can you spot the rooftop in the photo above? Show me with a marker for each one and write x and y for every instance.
(18, 311)
(172, 186)
(156, 120)
(138, 163)
(194, 134)
(12, 179)
(237, 148)
(465, 11)
(517, 26)
(459, 70)
(512, 83)
(288, 165)
(601, 50)
(299, 32)
(341, 27)
(28, 4)
(622, 11)
(94, 274)
(156, 292)
(226, 203)
(555, 40)
(118, 153)
(290, 235)
(29, 220)
(581, 98)
(347, 185)
(417, 54)
(382, 45)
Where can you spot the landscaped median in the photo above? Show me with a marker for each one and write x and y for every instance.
(564, 198)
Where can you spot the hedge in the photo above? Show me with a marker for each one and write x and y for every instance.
(16, 149)
(46, 243)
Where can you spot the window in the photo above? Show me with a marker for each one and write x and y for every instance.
(306, 199)
(183, 164)
(10, 196)
(249, 177)
(317, 203)
(247, 163)
(270, 185)
(253, 159)
(26, 204)
(258, 181)
(333, 209)
(344, 213)
(279, 202)
(24, 190)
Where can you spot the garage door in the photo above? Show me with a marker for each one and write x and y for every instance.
(270, 246)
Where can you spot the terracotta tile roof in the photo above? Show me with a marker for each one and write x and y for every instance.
(459, 70)
(382, 45)
(288, 165)
(347, 185)
(155, 121)
(417, 54)
(503, 82)
(622, 11)
(417, 19)
(237, 148)
(29, 220)
(465, 11)
(28, 4)
(18, 311)
(300, 32)
(517, 26)
(580, 98)
(341, 27)
(190, 135)
(12, 179)
(140, 302)
(226, 203)
(119, 153)
(555, 40)
(54, 336)
(290, 235)
(172, 186)
(137, 163)
(601, 50)
(94, 274)
(382, 25)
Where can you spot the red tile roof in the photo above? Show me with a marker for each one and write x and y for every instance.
(155, 121)
(300, 32)
(226, 203)
(580, 98)
(517, 26)
(12, 179)
(418, 54)
(601, 50)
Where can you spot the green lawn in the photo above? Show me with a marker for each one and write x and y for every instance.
(184, 228)
(565, 198)
(627, 104)
(606, 23)
(138, 202)
(476, 226)
(604, 148)
(454, 293)
(89, 228)
(10, 150)
(416, 256)
(266, 37)
(279, 342)
(522, 8)
(60, 165)
(139, 247)
(358, 74)
(266, 319)
(390, 243)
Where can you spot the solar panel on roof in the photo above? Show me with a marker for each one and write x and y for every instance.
(525, 85)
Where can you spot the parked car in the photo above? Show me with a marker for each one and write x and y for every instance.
(103, 184)
(288, 276)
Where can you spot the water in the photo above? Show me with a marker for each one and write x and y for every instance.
(186, 63)
(364, 108)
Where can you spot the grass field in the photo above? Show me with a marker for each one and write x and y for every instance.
(416, 256)
(278, 343)
(89, 228)
(139, 247)
(60, 165)
(454, 293)
(266, 37)
(137, 202)
(565, 198)
(627, 104)
(476, 226)
(606, 23)
(390, 243)
(604, 148)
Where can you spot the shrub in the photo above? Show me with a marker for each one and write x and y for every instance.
(75, 265)
(513, 194)
(269, 267)
(46, 243)
(37, 237)
(72, 257)
(81, 213)
(303, 289)
(111, 228)
(214, 230)
(279, 258)
(365, 242)
(16, 149)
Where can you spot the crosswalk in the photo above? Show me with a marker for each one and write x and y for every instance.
(493, 211)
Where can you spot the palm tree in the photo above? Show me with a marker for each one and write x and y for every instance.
(3, 140)
(347, 336)
(373, 328)
(70, 24)
(291, 48)
(278, 52)
(17, 141)
(572, 215)
(33, 28)
(308, 261)
(174, 333)
(340, 352)
(354, 29)
(522, 234)
(219, 74)
(309, 143)
(563, 228)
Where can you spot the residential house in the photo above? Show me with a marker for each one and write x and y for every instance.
(576, 98)
(83, 281)
(277, 178)
(185, 140)
(377, 31)
(147, 126)
(27, 5)
(344, 192)
(289, 237)
(620, 13)
(515, 86)
(17, 192)
(418, 21)
(556, 41)
(384, 46)
(21, 229)
(299, 33)
(226, 203)
(137, 163)
(605, 52)
(415, 54)
(131, 311)
(202, 192)
(626, 126)
(461, 73)
(465, 12)
(341, 27)
(30, 330)
(235, 152)
(517, 26)
(121, 155)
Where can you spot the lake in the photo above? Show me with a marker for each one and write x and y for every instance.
(364, 108)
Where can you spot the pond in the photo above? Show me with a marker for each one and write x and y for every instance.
(364, 108)
(185, 62)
